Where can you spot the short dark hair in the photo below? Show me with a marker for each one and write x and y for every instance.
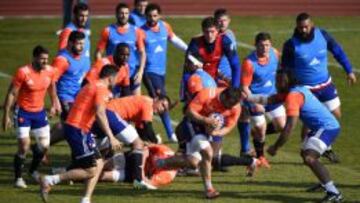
(220, 12)
(38, 50)
(121, 46)
(208, 22)
(152, 7)
(138, 1)
(232, 92)
(262, 36)
(170, 102)
(76, 35)
(80, 7)
(121, 6)
(302, 16)
(108, 70)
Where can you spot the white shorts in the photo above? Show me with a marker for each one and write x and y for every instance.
(128, 135)
(198, 142)
(332, 104)
(42, 134)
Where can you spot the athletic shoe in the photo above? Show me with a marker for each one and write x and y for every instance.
(158, 139)
(316, 188)
(331, 156)
(44, 189)
(332, 197)
(212, 194)
(143, 185)
(20, 183)
(173, 138)
(250, 170)
(264, 162)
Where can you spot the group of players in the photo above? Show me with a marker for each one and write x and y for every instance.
(101, 104)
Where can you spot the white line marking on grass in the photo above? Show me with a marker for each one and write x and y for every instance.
(251, 47)
(4, 75)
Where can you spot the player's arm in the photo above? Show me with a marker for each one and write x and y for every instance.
(288, 55)
(246, 78)
(233, 58)
(64, 38)
(10, 99)
(293, 103)
(175, 40)
(140, 41)
(340, 56)
(101, 46)
(60, 65)
(55, 103)
(195, 107)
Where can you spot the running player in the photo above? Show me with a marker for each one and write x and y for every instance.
(86, 164)
(305, 54)
(28, 90)
(80, 20)
(199, 151)
(258, 78)
(324, 128)
(123, 32)
(137, 15)
(157, 32)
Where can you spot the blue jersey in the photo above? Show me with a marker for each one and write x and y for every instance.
(137, 19)
(308, 59)
(224, 66)
(87, 50)
(156, 48)
(129, 37)
(70, 81)
(263, 81)
(313, 113)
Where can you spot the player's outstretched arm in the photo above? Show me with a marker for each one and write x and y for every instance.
(10, 99)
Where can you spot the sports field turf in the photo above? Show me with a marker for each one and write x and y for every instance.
(285, 182)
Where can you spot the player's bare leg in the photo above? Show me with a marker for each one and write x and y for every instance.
(91, 183)
(205, 171)
(19, 160)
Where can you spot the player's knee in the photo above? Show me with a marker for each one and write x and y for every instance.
(91, 172)
(309, 160)
(207, 154)
(192, 163)
(138, 144)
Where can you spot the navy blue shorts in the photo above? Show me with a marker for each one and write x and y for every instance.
(154, 83)
(33, 120)
(82, 144)
(326, 93)
(116, 123)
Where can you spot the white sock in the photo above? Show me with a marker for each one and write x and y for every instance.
(52, 180)
(118, 175)
(253, 164)
(330, 187)
(208, 184)
(85, 200)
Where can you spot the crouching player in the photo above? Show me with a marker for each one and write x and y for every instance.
(199, 151)
(28, 90)
(118, 168)
(139, 110)
(324, 128)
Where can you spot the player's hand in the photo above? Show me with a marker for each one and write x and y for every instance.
(115, 144)
(138, 77)
(211, 122)
(351, 78)
(6, 124)
(272, 150)
(54, 110)
(258, 108)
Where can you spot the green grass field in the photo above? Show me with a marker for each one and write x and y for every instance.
(285, 182)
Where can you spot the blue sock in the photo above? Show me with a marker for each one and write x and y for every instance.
(165, 118)
(244, 131)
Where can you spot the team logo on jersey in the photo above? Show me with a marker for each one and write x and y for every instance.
(21, 120)
(30, 82)
(314, 62)
(268, 84)
(158, 49)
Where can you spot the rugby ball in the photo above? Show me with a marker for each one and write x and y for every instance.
(220, 120)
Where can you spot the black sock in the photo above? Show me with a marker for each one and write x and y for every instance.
(18, 165)
(229, 160)
(259, 148)
(136, 156)
(270, 129)
(38, 155)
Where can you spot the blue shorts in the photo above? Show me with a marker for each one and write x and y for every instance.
(65, 107)
(116, 123)
(326, 93)
(34, 120)
(82, 144)
(319, 140)
(154, 83)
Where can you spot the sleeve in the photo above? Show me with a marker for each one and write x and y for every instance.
(232, 119)
(198, 102)
(64, 38)
(247, 71)
(103, 39)
(194, 84)
(193, 49)
(140, 39)
(293, 103)
(19, 78)
(101, 95)
(169, 30)
(93, 73)
(233, 58)
(337, 52)
(147, 113)
(288, 57)
(60, 65)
